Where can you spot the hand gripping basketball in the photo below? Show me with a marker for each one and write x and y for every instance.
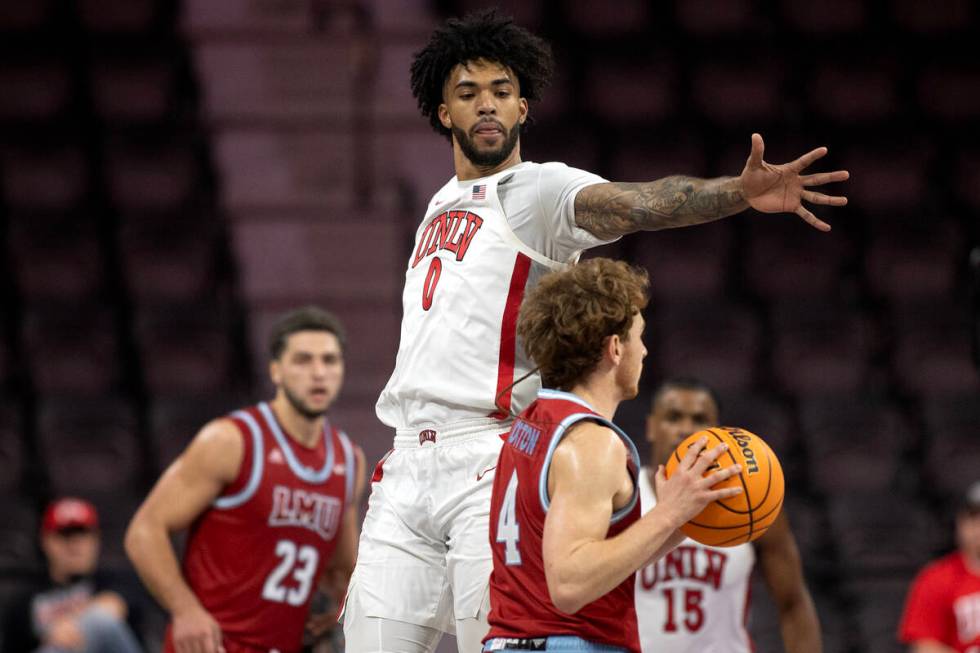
(745, 516)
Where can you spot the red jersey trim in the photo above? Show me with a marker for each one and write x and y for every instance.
(508, 336)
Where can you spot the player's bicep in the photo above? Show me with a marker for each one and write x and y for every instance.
(196, 478)
(585, 474)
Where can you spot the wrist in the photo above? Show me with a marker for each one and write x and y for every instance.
(671, 518)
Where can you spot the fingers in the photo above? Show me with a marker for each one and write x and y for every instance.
(820, 198)
(691, 457)
(821, 178)
(722, 475)
(811, 219)
(755, 155)
(804, 161)
(708, 458)
(725, 493)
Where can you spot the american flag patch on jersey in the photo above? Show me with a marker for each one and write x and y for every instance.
(480, 192)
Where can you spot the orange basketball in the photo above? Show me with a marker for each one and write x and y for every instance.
(745, 516)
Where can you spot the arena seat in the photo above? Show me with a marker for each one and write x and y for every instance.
(683, 264)
(72, 348)
(89, 444)
(56, 259)
(853, 444)
(185, 348)
(170, 261)
(820, 346)
(784, 260)
(44, 177)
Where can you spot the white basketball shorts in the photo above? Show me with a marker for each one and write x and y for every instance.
(424, 556)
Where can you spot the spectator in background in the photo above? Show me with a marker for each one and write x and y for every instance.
(942, 612)
(74, 607)
(682, 608)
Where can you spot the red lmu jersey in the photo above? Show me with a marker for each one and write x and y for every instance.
(521, 605)
(253, 558)
(944, 605)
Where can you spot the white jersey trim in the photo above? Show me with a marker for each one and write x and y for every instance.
(258, 458)
(305, 473)
(508, 231)
(560, 433)
(548, 393)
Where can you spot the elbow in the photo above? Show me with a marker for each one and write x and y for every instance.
(567, 598)
(133, 538)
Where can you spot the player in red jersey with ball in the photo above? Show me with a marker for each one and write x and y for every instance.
(269, 495)
(565, 524)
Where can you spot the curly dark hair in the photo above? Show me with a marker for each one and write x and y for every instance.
(485, 34)
(567, 316)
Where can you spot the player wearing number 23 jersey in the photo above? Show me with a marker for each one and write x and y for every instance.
(269, 497)
(254, 558)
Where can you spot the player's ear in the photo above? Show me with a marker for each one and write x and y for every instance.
(614, 349)
(522, 116)
(275, 372)
(444, 116)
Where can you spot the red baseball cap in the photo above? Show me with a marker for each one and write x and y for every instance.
(69, 512)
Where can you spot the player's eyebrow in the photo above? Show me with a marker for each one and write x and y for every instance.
(471, 84)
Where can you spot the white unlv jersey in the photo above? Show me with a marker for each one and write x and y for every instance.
(466, 278)
(694, 599)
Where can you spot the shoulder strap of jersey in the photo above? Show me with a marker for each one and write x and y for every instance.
(258, 457)
(508, 233)
(561, 430)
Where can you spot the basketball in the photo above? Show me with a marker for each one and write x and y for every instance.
(746, 516)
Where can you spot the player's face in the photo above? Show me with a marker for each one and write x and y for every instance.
(483, 108)
(631, 366)
(309, 372)
(677, 414)
(73, 552)
(968, 533)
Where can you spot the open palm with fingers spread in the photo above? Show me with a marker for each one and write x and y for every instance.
(782, 189)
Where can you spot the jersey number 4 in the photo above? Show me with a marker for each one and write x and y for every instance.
(508, 530)
(298, 562)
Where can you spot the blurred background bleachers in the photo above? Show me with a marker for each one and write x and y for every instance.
(175, 174)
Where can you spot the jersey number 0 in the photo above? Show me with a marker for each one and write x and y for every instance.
(431, 279)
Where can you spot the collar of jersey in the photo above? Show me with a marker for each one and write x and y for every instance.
(548, 393)
(464, 185)
(308, 474)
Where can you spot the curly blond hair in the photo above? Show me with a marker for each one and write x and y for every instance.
(567, 316)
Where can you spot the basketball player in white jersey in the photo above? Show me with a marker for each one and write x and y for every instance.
(424, 559)
(695, 599)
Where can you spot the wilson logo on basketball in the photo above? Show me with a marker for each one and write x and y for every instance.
(745, 444)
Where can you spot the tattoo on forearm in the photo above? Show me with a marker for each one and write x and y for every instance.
(619, 208)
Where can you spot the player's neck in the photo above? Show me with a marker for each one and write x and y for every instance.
(602, 399)
(466, 169)
(298, 427)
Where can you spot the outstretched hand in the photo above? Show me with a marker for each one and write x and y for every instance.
(782, 189)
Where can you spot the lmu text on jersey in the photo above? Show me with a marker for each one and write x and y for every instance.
(686, 563)
(294, 507)
(446, 231)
